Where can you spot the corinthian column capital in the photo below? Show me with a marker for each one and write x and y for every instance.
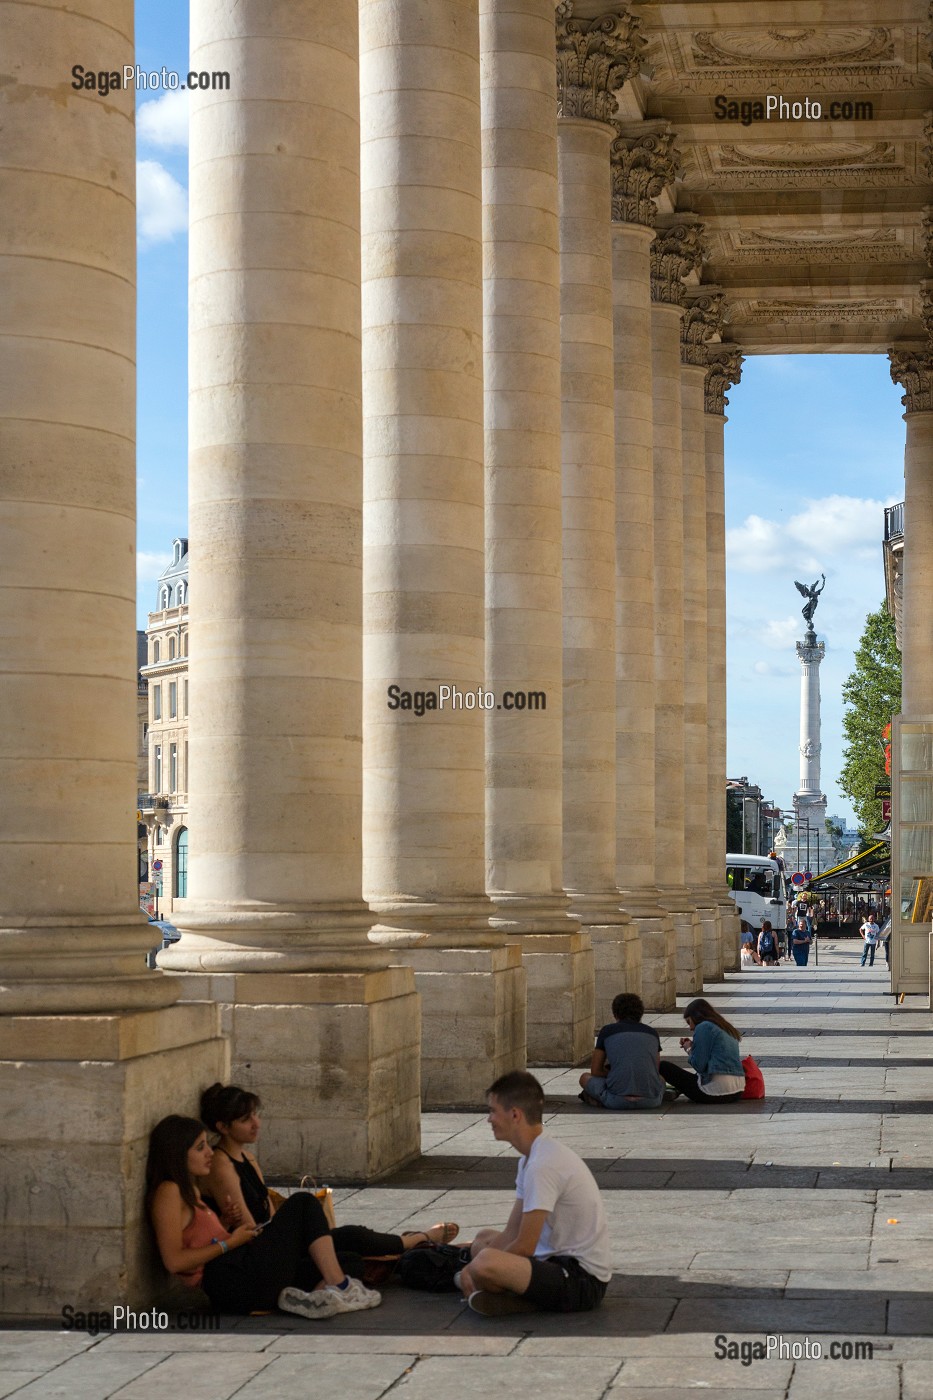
(644, 160)
(723, 369)
(676, 252)
(913, 370)
(702, 322)
(594, 58)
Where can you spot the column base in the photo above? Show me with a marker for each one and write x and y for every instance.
(472, 1018)
(688, 941)
(561, 1014)
(617, 961)
(82, 1095)
(335, 1059)
(730, 929)
(712, 938)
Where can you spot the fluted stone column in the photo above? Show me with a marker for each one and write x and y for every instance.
(319, 1020)
(702, 321)
(523, 524)
(675, 252)
(724, 368)
(643, 161)
(92, 1048)
(594, 57)
(423, 835)
(913, 370)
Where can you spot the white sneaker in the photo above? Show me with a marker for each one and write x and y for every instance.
(315, 1306)
(356, 1297)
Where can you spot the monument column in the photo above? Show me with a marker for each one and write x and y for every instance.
(423, 579)
(913, 370)
(723, 369)
(593, 59)
(93, 1048)
(643, 162)
(275, 914)
(523, 525)
(675, 253)
(702, 322)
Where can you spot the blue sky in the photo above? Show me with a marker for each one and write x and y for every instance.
(814, 450)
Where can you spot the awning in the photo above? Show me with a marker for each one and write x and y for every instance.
(872, 864)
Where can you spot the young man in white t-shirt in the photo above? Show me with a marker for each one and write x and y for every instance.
(554, 1251)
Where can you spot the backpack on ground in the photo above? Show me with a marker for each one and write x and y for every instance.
(432, 1270)
(754, 1079)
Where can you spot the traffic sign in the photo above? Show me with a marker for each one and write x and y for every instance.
(798, 879)
(808, 875)
(157, 865)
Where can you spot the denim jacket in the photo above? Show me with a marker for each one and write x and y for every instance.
(714, 1052)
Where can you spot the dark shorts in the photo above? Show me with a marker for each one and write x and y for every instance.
(561, 1284)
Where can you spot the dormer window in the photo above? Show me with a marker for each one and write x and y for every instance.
(164, 600)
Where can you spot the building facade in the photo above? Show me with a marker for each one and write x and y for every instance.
(461, 332)
(163, 804)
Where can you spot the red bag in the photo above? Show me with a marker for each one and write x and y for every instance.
(754, 1080)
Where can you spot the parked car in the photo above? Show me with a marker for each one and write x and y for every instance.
(169, 934)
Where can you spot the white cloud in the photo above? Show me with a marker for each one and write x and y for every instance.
(164, 122)
(149, 566)
(845, 527)
(161, 204)
(781, 634)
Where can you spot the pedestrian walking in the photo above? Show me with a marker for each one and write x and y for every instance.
(800, 941)
(768, 945)
(870, 933)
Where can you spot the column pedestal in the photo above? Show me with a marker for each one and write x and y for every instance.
(334, 1056)
(82, 1094)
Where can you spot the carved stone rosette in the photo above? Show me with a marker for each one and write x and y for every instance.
(702, 320)
(927, 227)
(926, 308)
(594, 58)
(641, 166)
(913, 370)
(723, 369)
(675, 252)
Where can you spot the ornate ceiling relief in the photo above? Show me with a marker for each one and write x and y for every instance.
(813, 245)
(831, 311)
(783, 155)
(642, 164)
(675, 253)
(701, 324)
(594, 58)
(913, 371)
(793, 44)
(811, 165)
(723, 369)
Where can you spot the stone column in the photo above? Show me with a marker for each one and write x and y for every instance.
(320, 1024)
(424, 540)
(675, 252)
(92, 1049)
(643, 161)
(523, 525)
(724, 368)
(913, 370)
(593, 59)
(702, 322)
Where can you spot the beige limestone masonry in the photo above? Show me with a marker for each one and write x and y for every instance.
(521, 358)
(275, 788)
(914, 371)
(423, 582)
(589, 537)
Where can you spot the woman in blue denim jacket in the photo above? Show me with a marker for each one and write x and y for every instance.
(713, 1051)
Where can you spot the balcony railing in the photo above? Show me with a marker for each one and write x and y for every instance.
(894, 522)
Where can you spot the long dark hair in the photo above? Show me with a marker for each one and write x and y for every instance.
(169, 1144)
(225, 1103)
(700, 1010)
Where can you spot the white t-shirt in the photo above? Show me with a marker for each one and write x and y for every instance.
(724, 1084)
(553, 1178)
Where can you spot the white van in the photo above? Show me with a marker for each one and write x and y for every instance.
(756, 883)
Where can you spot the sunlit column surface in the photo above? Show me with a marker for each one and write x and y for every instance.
(913, 370)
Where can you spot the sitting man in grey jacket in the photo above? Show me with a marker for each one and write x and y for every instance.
(624, 1070)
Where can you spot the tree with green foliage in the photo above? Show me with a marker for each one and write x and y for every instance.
(872, 696)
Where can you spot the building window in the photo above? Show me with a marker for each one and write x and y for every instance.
(185, 694)
(156, 653)
(181, 864)
(185, 788)
(157, 768)
(173, 700)
(184, 644)
(171, 648)
(164, 598)
(173, 767)
(156, 703)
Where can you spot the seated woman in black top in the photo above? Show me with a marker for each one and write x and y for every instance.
(235, 1182)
